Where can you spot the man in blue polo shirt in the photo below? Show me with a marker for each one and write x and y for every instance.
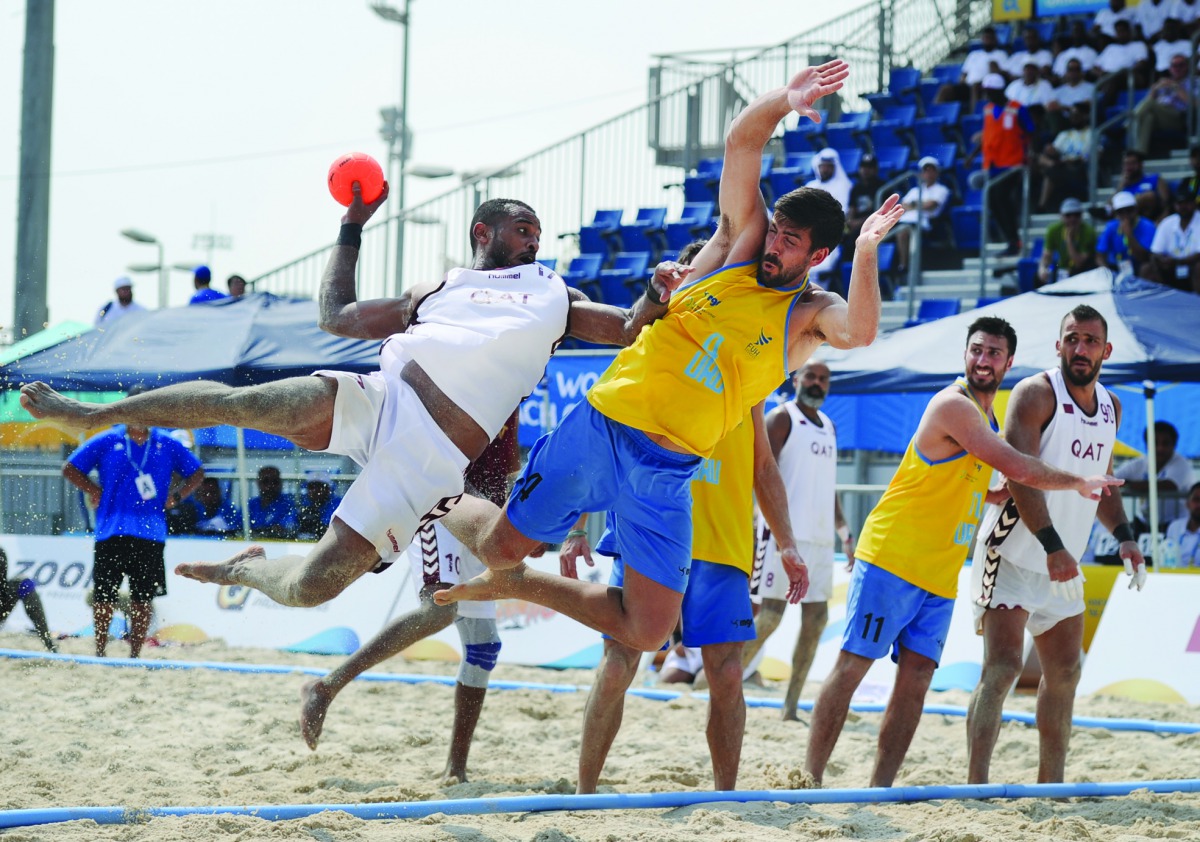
(1124, 244)
(201, 278)
(134, 466)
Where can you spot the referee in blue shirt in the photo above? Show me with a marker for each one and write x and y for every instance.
(135, 466)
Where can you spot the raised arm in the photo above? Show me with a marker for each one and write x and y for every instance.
(771, 495)
(604, 324)
(742, 221)
(340, 311)
(854, 322)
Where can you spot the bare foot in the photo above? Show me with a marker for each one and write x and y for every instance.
(42, 402)
(221, 572)
(315, 699)
(491, 584)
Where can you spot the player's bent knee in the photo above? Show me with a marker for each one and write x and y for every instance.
(481, 649)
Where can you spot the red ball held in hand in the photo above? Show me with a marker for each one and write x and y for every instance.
(352, 167)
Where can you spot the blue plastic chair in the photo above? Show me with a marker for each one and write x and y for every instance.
(851, 158)
(964, 221)
(946, 74)
(903, 83)
(902, 114)
(932, 309)
(945, 112)
(800, 160)
(646, 232)
(842, 136)
(550, 263)
(892, 159)
(602, 236)
(786, 179)
(888, 133)
(695, 221)
(615, 283)
(880, 102)
(583, 268)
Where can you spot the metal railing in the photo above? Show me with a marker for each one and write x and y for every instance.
(1097, 130)
(985, 217)
(635, 158)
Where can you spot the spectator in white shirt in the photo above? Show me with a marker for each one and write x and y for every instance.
(1185, 531)
(1105, 21)
(924, 204)
(1073, 91)
(1034, 51)
(1176, 246)
(1174, 474)
(1187, 11)
(120, 305)
(1174, 42)
(1149, 16)
(1030, 89)
(1075, 46)
(1123, 54)
(991, 57)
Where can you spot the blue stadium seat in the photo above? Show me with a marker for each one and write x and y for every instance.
(851, 158)
(615, 283)
(903, 83)
(786, 179)
(799, 139)
(965, 221)
(880, 102)
(888, 133)
(946, 74)
(946, 153)
(841, 136)
(582, 269)
(702, 185)
(988, 300)
(1004, 33)
(550, 263)
(970, 124)
(892, 159)
(646, 232)
(902, 114)
(802, 160)
(695, 221)
(932, 309)
(601, 237)
(858, 119)
(945, 112)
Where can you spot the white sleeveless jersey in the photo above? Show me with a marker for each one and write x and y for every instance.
(1072, 441)
(484, 337)
(808, 465)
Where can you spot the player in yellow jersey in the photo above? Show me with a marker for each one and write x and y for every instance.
(914, 543)
(727, 340)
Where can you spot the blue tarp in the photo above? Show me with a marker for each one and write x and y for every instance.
(237, 341)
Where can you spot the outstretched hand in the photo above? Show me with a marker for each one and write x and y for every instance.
(812, 83)
(876, 226)
(358, 211)
(1093, 488)
(797, 574)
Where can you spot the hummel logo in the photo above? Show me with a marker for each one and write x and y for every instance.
(763, 339)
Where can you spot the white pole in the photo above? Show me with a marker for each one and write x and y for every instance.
(1149, 390)
(243, 484)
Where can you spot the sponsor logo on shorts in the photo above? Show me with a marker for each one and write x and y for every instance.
(744, 623)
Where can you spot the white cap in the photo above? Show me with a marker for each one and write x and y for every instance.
(993, 82)
(928, 161)
(122, 282)
(1123, 200)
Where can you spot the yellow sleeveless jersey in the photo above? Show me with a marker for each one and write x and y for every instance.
(921, 530)
(694, 374)
(723, 501)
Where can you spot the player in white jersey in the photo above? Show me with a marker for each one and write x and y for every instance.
(804, 442)
(1025, 573)
(459, 355)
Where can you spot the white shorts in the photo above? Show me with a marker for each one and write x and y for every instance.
(691, 661)
(438, 558)
(1001, 584)
(769, 580)
(411, 472)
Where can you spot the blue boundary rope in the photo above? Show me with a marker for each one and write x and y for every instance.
(1107, 723)
(634, 801)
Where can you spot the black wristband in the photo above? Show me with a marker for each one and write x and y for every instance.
(652, 294)
(1049, 539)
(1123, 533)
(350, 235)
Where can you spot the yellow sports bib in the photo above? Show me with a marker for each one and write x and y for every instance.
(693, 375)
(921, 530)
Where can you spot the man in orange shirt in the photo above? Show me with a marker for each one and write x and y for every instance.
(1004, 141)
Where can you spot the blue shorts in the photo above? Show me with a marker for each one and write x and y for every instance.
(590, 463)
(716, 605)
(885, 612)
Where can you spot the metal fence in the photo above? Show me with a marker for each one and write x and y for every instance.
(639, 158)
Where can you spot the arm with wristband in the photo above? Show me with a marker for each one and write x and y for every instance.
(575, 547)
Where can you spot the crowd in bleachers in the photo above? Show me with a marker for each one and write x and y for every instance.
(924, 137)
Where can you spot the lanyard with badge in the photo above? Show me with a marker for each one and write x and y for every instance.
(144, 482)
(1183, 247)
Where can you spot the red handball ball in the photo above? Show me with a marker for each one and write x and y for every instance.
(352, 167)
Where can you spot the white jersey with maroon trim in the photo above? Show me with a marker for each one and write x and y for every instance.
(808, 465)
(484, 337)
(1073, 441)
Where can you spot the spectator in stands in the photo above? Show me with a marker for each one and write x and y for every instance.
(1174, 42)
(1152, 193)
(212, 514)
(1074, 90)
(237, 286)
(1029, 88)
(1185, 531)
(862, 196)
(991, 57)
(201, 278)
(1004, 141)
(1124, 244)
(119, 306)
(1186, 11)
(1165, 107)
(1070, 246)
(25, 592)
(1122, 54)
(830, 177)
(1149, 16)
(1035, 53)
(272, 513)
(1106, 19)
(923, 204)
(316, 507)
(1062, 164)
(134, 467)
(1176, 246)
(1174, 474)
(1076, 46)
